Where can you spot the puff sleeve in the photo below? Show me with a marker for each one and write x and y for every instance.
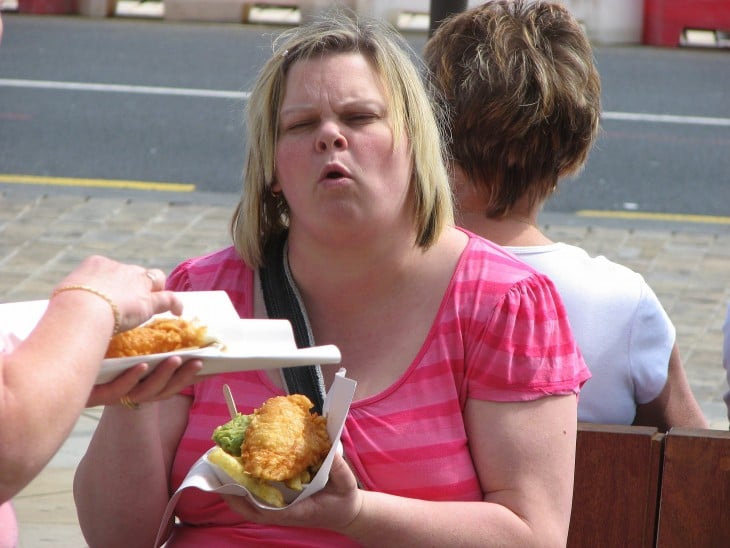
(524, 349)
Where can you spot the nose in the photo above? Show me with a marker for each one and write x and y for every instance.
(330, 137)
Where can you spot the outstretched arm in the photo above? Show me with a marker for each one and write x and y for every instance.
(46, 380)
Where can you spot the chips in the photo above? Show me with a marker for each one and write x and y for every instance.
(234, 468)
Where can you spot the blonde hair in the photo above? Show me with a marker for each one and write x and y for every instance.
(260, 213)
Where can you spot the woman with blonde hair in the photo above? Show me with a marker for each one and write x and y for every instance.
(462, 429)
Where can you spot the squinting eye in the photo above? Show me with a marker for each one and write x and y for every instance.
(363, 117)
(297, 125)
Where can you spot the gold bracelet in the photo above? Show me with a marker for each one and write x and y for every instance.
(107, 298)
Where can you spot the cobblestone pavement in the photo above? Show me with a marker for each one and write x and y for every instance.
(45, 233)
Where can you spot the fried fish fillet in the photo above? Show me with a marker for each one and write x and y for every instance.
(284, 439)
(158, 336)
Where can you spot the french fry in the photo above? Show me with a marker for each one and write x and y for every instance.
(234, 468)
(297, 482)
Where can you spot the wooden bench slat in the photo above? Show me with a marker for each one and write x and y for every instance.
(695, 491)
(615, 499)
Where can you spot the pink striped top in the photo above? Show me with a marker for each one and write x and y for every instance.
(501, 334)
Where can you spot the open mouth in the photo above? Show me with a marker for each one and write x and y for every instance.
(334, 171)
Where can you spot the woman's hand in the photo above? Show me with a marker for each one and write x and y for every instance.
(334, 507)
(167, 379)
(137, 292)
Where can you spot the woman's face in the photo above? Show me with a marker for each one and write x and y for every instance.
(336, 161)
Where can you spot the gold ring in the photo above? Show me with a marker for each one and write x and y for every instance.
(126, 401)
(151, 276)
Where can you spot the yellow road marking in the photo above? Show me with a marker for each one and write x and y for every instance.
(647, 216)
(188, 187)
(97, 183)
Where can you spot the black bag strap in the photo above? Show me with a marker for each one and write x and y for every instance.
(283, 301)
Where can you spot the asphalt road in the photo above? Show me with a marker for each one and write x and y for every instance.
(154, 101)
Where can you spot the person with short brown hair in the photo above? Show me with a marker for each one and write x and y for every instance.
(524, 97)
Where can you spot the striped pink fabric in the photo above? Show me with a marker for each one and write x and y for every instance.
(501, 334)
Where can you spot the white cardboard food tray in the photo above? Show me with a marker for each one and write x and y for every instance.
(206, 476)
(246, 344)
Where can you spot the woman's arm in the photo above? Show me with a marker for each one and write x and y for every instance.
(121, 486)
(525, 456)
(46, 380)
(675, 405)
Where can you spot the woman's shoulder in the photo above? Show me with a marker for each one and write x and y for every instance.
(483, 258)
(216, 270)
(225, 258)
(586, 282)
(493, 278)
(559, 259)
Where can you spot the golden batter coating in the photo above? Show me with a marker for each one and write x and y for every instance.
(158, 336)
(284, 439)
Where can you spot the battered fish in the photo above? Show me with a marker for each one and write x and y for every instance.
(284, 439)
(158, 336)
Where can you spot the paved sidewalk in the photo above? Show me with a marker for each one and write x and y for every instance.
(43, 236)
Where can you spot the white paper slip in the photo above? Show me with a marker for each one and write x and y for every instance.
(244, 344)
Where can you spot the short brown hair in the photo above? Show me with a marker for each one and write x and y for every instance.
(523, 92)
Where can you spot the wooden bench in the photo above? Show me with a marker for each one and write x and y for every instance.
(695, 497)
(635, 486)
